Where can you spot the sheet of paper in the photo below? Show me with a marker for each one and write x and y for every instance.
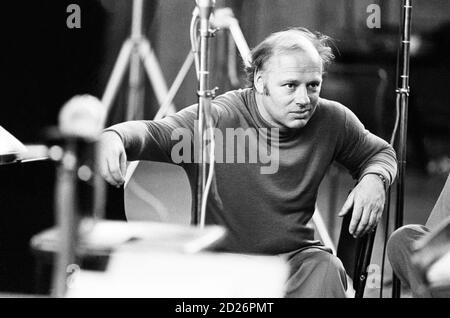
(10, 144)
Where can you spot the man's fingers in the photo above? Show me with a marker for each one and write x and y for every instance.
(347, 205)
(110, 180)
(356, 216)
(364, 223)
(123, 164)
(103, 168)
(111, 158)
(376, 217)
(379, 217)
(368, 204)
(373, 221)
(114, 172)
(104, 172)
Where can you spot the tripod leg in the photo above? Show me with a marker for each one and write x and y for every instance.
(240, 41)
(231, 61)
(117, 75)
(107, 99)
(165, 107)
(136, 89)
(154, 72)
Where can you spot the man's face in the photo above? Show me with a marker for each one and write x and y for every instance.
(288, 88)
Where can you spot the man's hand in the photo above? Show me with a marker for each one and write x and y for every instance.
(367, 200)
(112, 159)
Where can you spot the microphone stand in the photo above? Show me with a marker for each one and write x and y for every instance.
(402, 106)
(205, 95)
(67, 216)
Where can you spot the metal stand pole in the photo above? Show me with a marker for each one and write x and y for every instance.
(402, 105)
(67, 215)
(205, 96)
(135, 83)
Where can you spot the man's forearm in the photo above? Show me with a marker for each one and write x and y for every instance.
(384, 163)
(136, 139)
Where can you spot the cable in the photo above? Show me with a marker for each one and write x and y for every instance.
(210, 177)
(397, 120)
(194, 40)
(386, 233)
(194, 47)
(388, 199)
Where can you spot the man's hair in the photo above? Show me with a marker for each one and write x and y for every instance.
(288, 41)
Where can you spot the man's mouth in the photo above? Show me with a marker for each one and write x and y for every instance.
(302, 111)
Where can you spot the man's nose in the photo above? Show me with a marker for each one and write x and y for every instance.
(301, 97)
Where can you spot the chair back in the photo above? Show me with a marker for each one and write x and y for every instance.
(355, 255)
(158, 191)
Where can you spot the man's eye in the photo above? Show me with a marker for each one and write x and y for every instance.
(314, 85)
(289, 85)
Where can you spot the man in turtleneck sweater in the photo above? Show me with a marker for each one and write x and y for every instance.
(265, 198)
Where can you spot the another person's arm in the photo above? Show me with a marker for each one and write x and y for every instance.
(441, 209)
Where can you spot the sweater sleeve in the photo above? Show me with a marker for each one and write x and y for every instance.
(154, 139)
(363, 152)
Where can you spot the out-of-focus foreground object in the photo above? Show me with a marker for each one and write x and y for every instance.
(11, 148)
(432, 260)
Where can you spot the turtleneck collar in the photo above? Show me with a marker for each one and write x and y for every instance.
(284, 132)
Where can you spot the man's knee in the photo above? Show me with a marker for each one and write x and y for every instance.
(323, 260)
(319, 274)
(330, 263)
(337, 268)
(332, 272)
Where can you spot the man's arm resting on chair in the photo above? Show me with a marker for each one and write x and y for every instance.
(373, 162)
(367, 200)
(132, 140)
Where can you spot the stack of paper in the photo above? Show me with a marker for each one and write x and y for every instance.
(98, 238)
(10, 147)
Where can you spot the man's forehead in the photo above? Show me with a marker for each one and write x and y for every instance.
(294, 62)
(296, 39)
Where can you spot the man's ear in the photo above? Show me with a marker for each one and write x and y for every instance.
(258, 82)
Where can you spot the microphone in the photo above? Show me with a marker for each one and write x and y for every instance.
(80, 122)
(81, 117)
(205, 8)
(224, 18)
